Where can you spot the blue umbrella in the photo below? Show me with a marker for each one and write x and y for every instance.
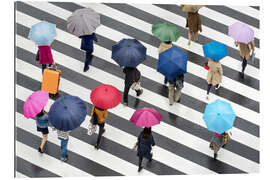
(67, 113)
(129, 52)
(215, 50)
(219, 116)
(42, 33)
(172, 62)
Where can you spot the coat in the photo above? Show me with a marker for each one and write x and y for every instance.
(217, 141)
(215, 72)
(245, 49)
(132, 75)
(45, 54)
(87, 42)
(164, 46)
(145, 146)
(101, 114)
(194, 22)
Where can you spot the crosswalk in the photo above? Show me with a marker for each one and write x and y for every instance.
(182, 139)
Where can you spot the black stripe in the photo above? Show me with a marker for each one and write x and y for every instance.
(256, 7)
(237, 98)
(236, 15)
(205, 20)
(161, 141)
(32, 170)
(169, 118)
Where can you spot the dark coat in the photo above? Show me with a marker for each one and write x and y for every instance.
(87, 42)
(132, 75)
(145, 146)
(194, 22)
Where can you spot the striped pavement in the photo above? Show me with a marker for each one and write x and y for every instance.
(182, 139)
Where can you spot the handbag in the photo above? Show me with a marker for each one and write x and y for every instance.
(206, 66)
(94, 118)
(252, 58)
(91, 129)
(179, 84)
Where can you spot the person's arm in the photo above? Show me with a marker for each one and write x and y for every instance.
(253, 46)
(92, 112)
(105, 114)
(95, 37)
(221, 71)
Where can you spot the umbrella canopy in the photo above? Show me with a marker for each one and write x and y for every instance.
(35, 103)
(83, 22)
(166, 32)
(145, 117)
(67, 113)
(172, 62)
(241, 32)
(215, 50)
(105, 96)
(42, 33)
(129, 52)
(191, 8)
(219, 116)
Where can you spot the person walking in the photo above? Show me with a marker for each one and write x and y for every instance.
(193, 22)
(44, 56)
(218, 141)
(42, 126)
(87, 45)
(245, 53)
(63, 136)
(101, 116)
(132, 78)
(145, 143)
(175, 87)
(163, 47)
(214, 75)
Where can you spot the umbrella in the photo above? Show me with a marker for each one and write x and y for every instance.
(172, 62)
(83, 22)
(215, 50)
(219, 116)
(241, 32)
(35, 103)
(129, 52)
(105, 96)
(166, 32)
(145, 117)
(191, 8)
(67, 113)
(42, 33)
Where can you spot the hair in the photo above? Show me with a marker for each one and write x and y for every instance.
(146, 133)
(168, 42)
(99, 108)
(41, 113)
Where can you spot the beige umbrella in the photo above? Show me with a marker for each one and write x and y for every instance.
(191, 8)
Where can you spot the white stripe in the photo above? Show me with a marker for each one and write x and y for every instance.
(150, 97)
(47, 162)
(20, 175)
(247, 11)
(128, 141)
(242, 112)
(193, 141)
(223, 19)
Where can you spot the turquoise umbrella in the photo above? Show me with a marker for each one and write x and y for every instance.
(219, 116)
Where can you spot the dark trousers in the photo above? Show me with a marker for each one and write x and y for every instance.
(88, 59)
(165, 80)
(126, 90)
(44, 67)
(209, 87)
(140, 161)
(101, 131)
(244, 64)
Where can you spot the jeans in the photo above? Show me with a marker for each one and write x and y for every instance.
(44, 67)
(64, 143)
(88, 59)
(101, 131)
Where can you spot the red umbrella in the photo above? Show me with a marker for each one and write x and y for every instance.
(105, 96)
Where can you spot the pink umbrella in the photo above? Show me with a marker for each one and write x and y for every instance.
(241, 32)
(35, 103)
(145, 117)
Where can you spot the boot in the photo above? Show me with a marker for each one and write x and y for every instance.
(215, 156)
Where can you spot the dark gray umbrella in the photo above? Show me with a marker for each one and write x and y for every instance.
(83, 22)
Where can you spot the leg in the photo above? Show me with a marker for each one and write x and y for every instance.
(126, 90)
(217, 86)
(88, 58)
(64, 143)
(171, 93)
(44, 139)
(177, 95)
(189, 37)
(43, 66)
(196, 36)
(140, 164)
(101, 131)
(244, 65)
(165, 80)
(208, 88)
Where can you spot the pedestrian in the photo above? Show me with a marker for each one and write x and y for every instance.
(132, 78)
(245, 53)
(175, 87)
(214, 75)
(101, 116)
(193, 22)
(218, 141)
(63, 136)
(44, 56)
(42, 126)
(145, 143)
(162, 47)
(87, 45)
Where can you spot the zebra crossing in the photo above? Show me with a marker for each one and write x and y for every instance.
(182, 140)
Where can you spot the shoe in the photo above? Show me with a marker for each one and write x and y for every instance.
(86, 69)
(216, 88)
(188, 43)
(96, 146)
(178, 100)
(241, 75)
(171, 104)
(139, 92)
(215, 156)
(151, 157)
(125, 103)
(64, 159)
(140, 168)
(39, 150)
(223, 145)
(207, 97)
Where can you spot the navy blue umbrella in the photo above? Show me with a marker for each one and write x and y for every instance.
(67, 113)
(172, 62)
(128, 52)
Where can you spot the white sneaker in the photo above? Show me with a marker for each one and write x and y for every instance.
(216, 88)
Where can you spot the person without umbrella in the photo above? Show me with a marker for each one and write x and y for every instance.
(175, 87)
(163, 47)
(218, 141)
(42, 126)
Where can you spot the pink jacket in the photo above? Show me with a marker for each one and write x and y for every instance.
(45, 55)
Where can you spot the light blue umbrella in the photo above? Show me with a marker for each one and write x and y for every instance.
(42, 33)
(219, 116)
(215, 50)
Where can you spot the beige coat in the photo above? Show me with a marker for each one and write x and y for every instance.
(245, 49)
(215, 72)
(163, 46)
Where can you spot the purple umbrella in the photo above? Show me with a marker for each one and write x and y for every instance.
(145, 117)
(241, 32)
